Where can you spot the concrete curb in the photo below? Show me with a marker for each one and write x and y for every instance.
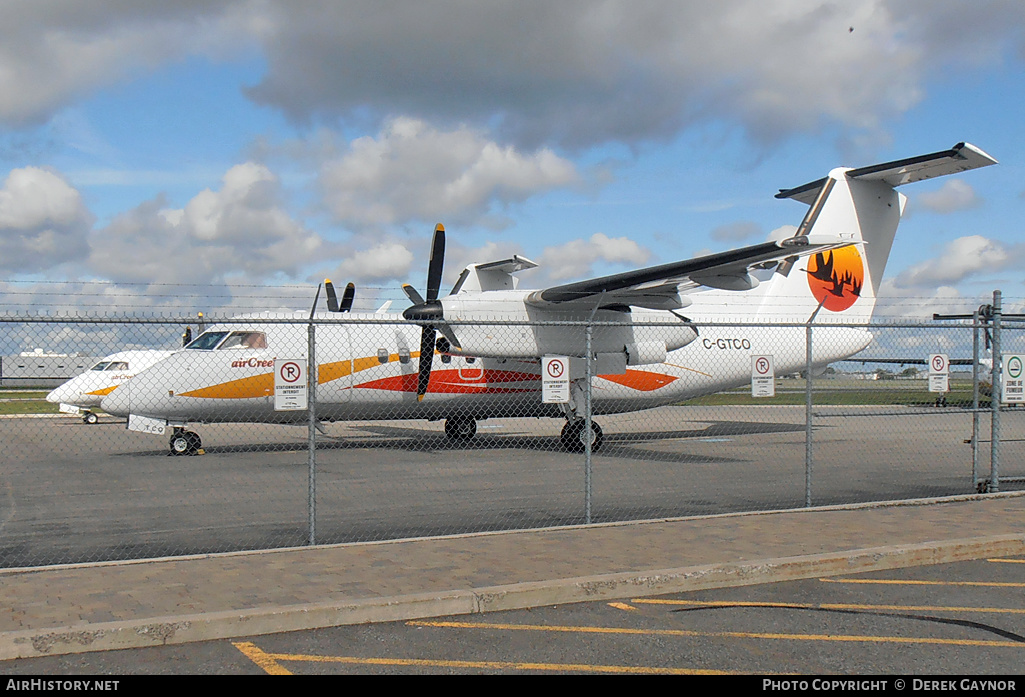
(160, 631)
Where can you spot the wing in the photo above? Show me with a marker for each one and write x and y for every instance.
(663, 287)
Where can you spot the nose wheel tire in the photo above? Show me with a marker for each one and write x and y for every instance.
(185, 443)
(90, 418)
(460, 427)
(574, 436)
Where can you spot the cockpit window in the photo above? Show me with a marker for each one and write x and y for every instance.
(102, 365)
(207, 340)
(117, 365)
(245, 340)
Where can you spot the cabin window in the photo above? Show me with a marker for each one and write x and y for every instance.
(382, 355)
(245, 340)
(403, 355)
(207, 341)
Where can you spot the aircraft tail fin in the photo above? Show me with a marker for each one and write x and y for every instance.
(863, 206)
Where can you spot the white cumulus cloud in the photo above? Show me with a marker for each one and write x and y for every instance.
(576, 258)
(412, 172)
(954, 195)
(382, 262)
(43, 221)
(961, 258)
(54, 51)
(570, 73)
(241, 229)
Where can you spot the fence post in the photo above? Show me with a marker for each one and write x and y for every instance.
(588, 332)
(807, 415)
(311, 394)
(975, 400)
(808, 365)
(994, 461)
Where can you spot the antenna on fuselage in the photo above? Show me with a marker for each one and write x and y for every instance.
(315, 299)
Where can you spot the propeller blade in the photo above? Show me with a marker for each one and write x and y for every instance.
(332, 298)
(348, 295)
(423, 377)
(436, 265)
(429, 312)
(413, 294)
(446, 331)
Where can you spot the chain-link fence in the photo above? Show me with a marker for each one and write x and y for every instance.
(217, 447)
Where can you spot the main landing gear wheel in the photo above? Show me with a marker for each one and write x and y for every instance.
(185, 442)
(90, 418)
(460, 427)
(574, 437)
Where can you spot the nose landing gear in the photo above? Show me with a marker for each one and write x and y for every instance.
(184, 442)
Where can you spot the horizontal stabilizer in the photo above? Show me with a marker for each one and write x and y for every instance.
(960, 158)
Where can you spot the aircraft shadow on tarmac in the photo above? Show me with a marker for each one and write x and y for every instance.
(618, 445)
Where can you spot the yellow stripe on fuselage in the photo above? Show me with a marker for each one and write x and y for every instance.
(104, 392)
(243, 388)
(257, 386)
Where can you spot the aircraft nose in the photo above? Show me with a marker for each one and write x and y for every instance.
(60, 394)
(117, 402)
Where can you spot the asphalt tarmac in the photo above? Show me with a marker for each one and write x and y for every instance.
(74, 493)
(99, 498)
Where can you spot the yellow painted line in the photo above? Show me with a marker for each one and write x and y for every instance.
(828, 606)
(261, 658)
(722, 635)
(269, 662)
(1007, 561)
(894, 582)
(622, 606)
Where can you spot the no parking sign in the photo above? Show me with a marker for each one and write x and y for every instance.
(763, 377)
(555, 379)
(939, 372)
(290, 384)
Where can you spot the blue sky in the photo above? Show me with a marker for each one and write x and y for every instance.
(154, 155)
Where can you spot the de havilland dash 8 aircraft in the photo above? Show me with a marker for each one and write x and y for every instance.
(657, 337)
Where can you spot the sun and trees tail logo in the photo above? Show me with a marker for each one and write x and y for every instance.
(836, 277)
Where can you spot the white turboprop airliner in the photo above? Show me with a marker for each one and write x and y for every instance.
(646, 352)
(85, 391)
